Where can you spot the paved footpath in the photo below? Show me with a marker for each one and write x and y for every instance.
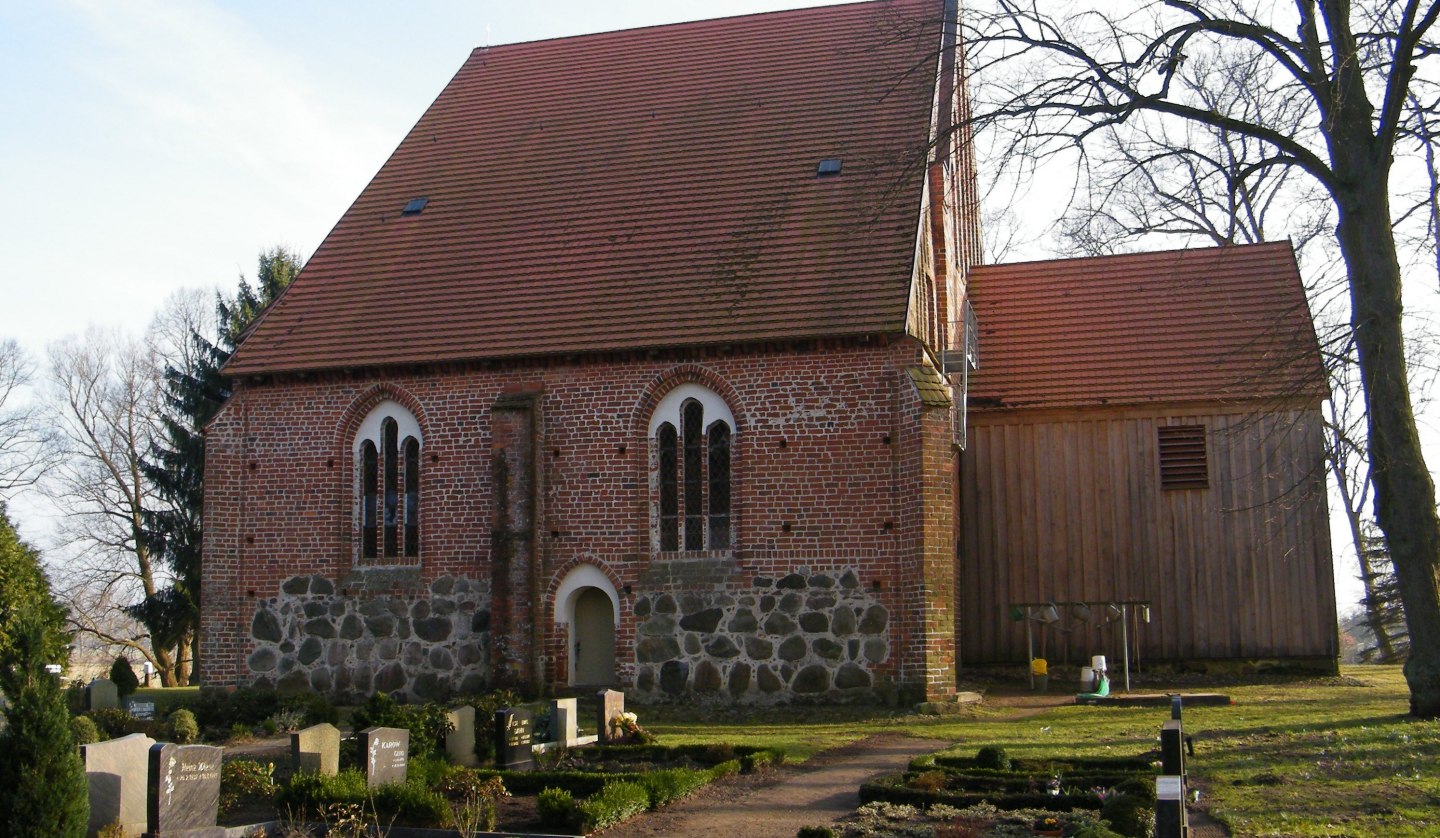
(811, 794)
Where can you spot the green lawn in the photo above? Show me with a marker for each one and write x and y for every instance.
(1291, 757)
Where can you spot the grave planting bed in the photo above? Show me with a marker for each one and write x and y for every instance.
(1057, 785)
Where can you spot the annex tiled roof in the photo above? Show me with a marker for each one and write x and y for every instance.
(1181, 325)
(648, 187)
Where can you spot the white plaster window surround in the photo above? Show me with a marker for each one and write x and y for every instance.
(692, 437)
(387, 455)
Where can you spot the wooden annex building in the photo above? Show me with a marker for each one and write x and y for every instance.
(649, 359)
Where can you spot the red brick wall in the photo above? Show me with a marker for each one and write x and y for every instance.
(836, 467)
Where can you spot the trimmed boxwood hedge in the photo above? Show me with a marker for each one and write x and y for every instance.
(613, 804)
(892, 789)
(750, 756)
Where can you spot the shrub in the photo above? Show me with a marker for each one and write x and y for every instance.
(1141, 787)
(616, 803)
(992, 757)
(84, 730)
(241, 732)
(305, 795)
(1130, 816)
(183, 728)
(671, 784)
(248, 706)
(124, 677)
(243, 781)
(728, 768)
(931, 781)
(410, 804)
(313, 709)
(557, 809)
(284, 720)
(761, 758)
(42, 780)
(114, 722)
(815, 832)
(471, 797)
(427, 723)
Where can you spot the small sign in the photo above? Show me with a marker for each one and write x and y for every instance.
(142, 709)
(1169, 788)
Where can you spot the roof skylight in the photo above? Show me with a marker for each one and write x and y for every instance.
(415, 206)
(829, 166)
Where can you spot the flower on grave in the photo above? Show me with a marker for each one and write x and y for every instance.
(626, 728)
(1048, 823)
(1054, 785)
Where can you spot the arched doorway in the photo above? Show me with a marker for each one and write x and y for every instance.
(586, 608)
(592, 639)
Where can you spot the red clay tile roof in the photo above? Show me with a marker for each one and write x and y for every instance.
(649, 187)
(1181, 325)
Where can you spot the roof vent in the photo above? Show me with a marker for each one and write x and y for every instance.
(828, 167)
(415, 206)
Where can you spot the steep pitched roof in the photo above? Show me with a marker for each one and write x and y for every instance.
(641, 188)
(1181, 325)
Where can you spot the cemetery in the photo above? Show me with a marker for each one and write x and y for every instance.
(417, 766)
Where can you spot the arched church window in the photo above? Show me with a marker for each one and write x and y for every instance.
(692, 433)
(387, 499)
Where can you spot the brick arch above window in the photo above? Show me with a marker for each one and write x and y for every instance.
(385, 477)
(668, 381)
(364, 404)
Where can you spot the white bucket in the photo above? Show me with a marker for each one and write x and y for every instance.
(1087, 679)
(1098, 662)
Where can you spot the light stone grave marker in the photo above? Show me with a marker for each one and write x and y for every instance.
(184, 791)
(316, 750)
(612, 704)
(460, 742)
(387, 753)
(116, 773)
(564, 718)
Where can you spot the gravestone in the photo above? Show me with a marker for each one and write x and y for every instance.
(101, 693)
(513, 739)
(316, 750)
(387, 753)
(1172, 748)
(1176, 706)
(142, 709)
(564, 719)
(184, 791)
(612, 704)
(1171, 819)
(460, 742)
(116, 772)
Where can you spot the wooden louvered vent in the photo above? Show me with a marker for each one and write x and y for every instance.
(1183, 460)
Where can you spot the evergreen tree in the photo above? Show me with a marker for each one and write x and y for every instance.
(122, 675)
(194, 393)
(42, 779)
(24, 589)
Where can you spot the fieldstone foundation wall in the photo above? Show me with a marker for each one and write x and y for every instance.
(422, 642)
(815, 636)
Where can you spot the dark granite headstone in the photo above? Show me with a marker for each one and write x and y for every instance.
(1172, 748)
(101, 693)
(184, 791)
(514, 736)
(387, 753)
(316, 750)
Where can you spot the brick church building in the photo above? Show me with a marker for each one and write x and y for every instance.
(643, 361)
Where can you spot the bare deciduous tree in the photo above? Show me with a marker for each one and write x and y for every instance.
(26, 445)
(104, 391)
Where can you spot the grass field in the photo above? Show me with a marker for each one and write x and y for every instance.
(1333, 756)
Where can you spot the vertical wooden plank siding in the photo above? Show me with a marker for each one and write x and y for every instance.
(1068, 507)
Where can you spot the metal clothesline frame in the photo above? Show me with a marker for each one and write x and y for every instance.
(1124, 604)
